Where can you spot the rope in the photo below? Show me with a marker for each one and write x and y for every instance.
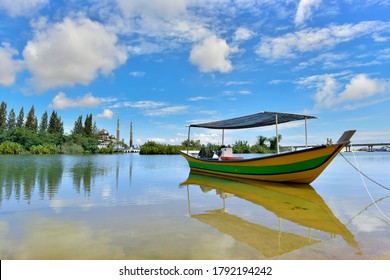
(361, 173)
(366, 208)
(364, 183)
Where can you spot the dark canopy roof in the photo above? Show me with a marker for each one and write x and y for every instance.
(255, 120)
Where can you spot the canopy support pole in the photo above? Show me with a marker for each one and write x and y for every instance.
(223, 136)
(306, 131)
(188, 139)
(277, 134)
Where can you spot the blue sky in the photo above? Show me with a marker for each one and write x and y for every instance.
(167, 63)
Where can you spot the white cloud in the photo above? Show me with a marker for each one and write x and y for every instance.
(242, 34)
(158, 140)
(277, 82)
(205, 138)
(313, 39)
(161, 23)
(384, 54)
(145, 104)
(361, 87)
(9, 66)
(379, 38)
(106, 114)
(164, 111)
(164, 8)
(326, 94)
(212, 55)
(21, 7)
(305, 10)
(328, 61)
(143, 48)
(71, 52)
(152, 108)
(235, 92)
(60, 101)
(199, 98)
(137, 74)
(359, 91)
(237, 83)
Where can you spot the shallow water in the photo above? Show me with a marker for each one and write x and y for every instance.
(150, 207)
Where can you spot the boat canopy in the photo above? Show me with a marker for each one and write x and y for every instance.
(254, 120)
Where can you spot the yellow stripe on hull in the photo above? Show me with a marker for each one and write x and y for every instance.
(298, 167)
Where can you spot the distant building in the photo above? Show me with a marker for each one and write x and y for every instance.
(107, 140)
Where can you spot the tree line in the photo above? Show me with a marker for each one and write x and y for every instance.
(20, 134)
(263, 145)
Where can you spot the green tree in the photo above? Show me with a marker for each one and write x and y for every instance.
(91, 145)
(261, 140)
(9, 147)
(55, 130)
(260, 147)
(241, 147)
(20, 119)
(95, 130)
(44, 149)
(43, 125)
(78, 126)
(11, 122)
(31, 120)
(3, 116)
(195, 144)
(153, 148)
(273, 142)
(24, 137)
(55, 124)
(88, 126)
(72, 148)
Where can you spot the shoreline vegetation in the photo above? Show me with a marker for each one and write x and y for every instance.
(25, 135)
(264, 145)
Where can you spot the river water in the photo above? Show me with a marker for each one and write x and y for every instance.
(131, 206)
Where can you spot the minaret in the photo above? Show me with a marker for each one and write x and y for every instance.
(131, 134)
(117, 130)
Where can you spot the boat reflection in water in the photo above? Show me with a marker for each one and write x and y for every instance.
(299, 204)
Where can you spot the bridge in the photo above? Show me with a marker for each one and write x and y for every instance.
(370, 146)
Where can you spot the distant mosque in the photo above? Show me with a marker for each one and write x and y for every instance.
(106, 140)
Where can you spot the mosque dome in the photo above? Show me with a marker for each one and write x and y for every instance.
(104, 132)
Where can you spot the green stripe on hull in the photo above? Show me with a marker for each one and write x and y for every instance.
(261, 170)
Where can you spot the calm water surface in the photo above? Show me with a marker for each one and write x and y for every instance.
(150, 207)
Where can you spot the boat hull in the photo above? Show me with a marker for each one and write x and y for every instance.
(297, 167)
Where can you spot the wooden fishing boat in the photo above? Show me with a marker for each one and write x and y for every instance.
(302, 166)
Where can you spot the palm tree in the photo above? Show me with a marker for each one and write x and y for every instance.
(273, 141)
(261, 140)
